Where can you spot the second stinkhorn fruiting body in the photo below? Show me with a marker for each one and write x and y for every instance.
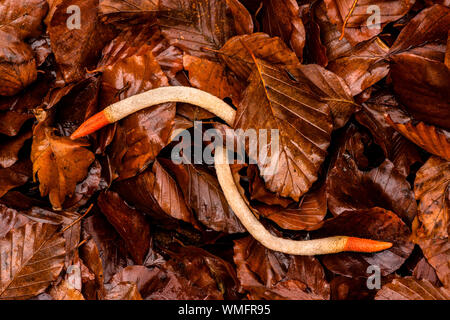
(121, 109)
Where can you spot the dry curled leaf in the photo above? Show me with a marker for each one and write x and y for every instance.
(59, 163)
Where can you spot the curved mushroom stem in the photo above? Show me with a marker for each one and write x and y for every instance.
(215, 105)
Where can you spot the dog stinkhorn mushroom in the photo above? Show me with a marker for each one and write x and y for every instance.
(193, 96)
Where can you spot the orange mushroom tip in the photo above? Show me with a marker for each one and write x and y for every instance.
(365, 245)
(91, 125)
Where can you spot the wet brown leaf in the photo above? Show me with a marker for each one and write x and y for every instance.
(437, 253)
(17, 64)
(396, 148)
(349, 188)
(9, 151)
(63, 291)
(267, 274)
(282, 19)
(156, 193)
(422, 85)
(272, 50)
(376, 224)
(363, 66)
(24, 18)
(273, 101)
(10, 219)
(357, 26)
(76, 49)
(129, 223)
(33, 257)
(433, 139)
(123, 291)
(213, 77)
(59, 163)
(432, 189)
(203, 194)
(195, 26)
(307, 216)
(409, 288)
(15, 176)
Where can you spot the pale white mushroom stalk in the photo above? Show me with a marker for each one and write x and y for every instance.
(193, 96)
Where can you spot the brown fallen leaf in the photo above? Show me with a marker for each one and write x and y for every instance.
(273, 101)
(377, 224)
(35, 256)
(267, 274)
(136, 39)
(409, 288)
(350, 188)
(272, 50)
(10, 219)
(202, 193)
(364, 66)
(24, 18)
(63, 291)
(282, 19)
(424, 271)
(16, 175)
(432, 189)
(59, 163)
(9, 151)
(437, 253)
(106, 254)
(129, 223)
(195, 26)
(395, 147)
(429, 25)
(433, 139)
(156, 193)
(212, 77)
(123, 291)
(422, 85)
(17, 64)
(354, 18)
(307, 216)
(88, 38)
